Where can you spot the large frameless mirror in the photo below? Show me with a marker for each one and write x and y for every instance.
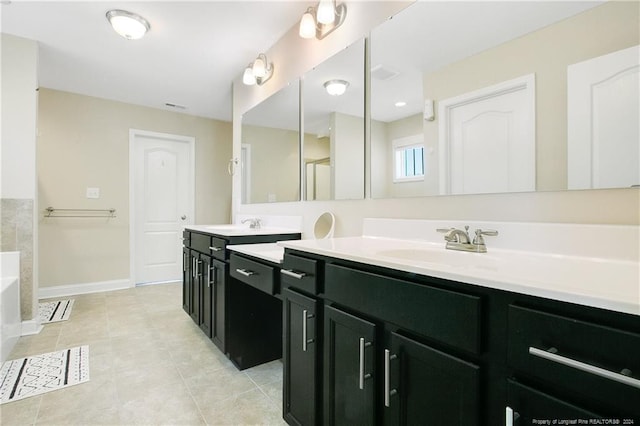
(333, 96)
(491, 97)
(270, 149)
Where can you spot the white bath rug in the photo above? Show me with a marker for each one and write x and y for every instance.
(57, 310)
(34, 375)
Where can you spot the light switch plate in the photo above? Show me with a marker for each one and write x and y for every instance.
(93, 192)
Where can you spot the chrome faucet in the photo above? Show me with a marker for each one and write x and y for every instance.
(457, 239)
(254, 223)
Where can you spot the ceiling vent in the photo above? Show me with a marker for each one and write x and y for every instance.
(379, 72)
(175, 106)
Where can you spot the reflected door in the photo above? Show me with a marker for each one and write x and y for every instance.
(603, 121)
(163, 200)
(487, 140)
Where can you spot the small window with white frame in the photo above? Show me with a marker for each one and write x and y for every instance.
(408, 157)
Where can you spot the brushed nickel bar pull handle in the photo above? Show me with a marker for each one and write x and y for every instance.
(305, 340)
(388, 392)
(304, 330)
(184, 262)
(510, 416)
(245, 272)
(193, 267)
(209, 277)
(588, 368)
(214, 248)
(361, 374)
(290, 273)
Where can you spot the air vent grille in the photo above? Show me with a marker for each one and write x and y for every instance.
(380, 72)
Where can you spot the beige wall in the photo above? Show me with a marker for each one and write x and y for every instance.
(547, 53)
(18, 202)
(274, 163)
(616, 206)
(84, 142)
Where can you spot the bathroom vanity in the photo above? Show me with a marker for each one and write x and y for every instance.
(206, 293)
(386, 331)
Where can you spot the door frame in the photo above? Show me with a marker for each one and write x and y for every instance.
(133, 134)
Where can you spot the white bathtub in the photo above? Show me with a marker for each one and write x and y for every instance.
(10, 318)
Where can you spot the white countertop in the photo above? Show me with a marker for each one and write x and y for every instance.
(592, 281)
(271, 252)
(240, 230)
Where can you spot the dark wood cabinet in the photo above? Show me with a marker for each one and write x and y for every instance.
(350, 378)
(300, 359)
(206, 275)
(423, 385)
(219, 273)
(206, 295)
(186, 280)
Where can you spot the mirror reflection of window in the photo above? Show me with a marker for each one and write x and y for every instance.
(443, 50)
(409, 159)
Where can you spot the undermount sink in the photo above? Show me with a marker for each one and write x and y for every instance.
(440, 256)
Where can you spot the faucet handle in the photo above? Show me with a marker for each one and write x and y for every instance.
(480, 232)
(444, 230)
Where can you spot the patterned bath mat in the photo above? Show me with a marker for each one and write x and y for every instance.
(57, 310)
(34, 375)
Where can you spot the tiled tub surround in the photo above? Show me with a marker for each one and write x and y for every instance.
(591, 265)
(16, 217)
(10, 320)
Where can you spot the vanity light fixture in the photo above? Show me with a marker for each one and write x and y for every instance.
(258, 71)
(129, 25)
(336, 87)
(322, 20)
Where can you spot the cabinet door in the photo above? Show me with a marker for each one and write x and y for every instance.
(186, 280)
(300, 359)
(219, 273)
(349, 369)
(425, 386)
(206, 294)
(525, 404)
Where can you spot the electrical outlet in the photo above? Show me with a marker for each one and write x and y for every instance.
(93, 192)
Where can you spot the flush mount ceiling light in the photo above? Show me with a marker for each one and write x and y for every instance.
(322, 20)
(127, 24)
(336, 87)
(258, 71)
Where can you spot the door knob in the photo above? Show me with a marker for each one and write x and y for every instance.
(183, 217)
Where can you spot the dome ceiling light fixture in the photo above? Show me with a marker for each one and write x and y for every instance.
(129, 25)
(322, 20)
(336, 87)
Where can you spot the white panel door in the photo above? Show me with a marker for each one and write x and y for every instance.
(163, 204)
(487, 139)
(603, 121)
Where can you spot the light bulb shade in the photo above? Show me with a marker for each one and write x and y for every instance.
(248, 78)
(326, 12)
(127, 24)
(307, 25)
(336, 87)
(260, 66)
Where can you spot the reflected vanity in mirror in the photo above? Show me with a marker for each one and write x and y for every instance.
(270, 149)
(480, 97)
(333, 96)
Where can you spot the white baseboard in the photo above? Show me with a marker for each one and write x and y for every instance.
(31, 326)
(85, 288)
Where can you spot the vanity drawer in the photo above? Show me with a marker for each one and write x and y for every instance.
(256, 274)
(598, 362)
(217, 248)
(200, 242)
(301, 273)
(446, 316)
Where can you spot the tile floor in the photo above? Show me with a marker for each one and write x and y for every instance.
(150, 365)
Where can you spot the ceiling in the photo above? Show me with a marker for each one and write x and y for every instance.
(190, 56)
